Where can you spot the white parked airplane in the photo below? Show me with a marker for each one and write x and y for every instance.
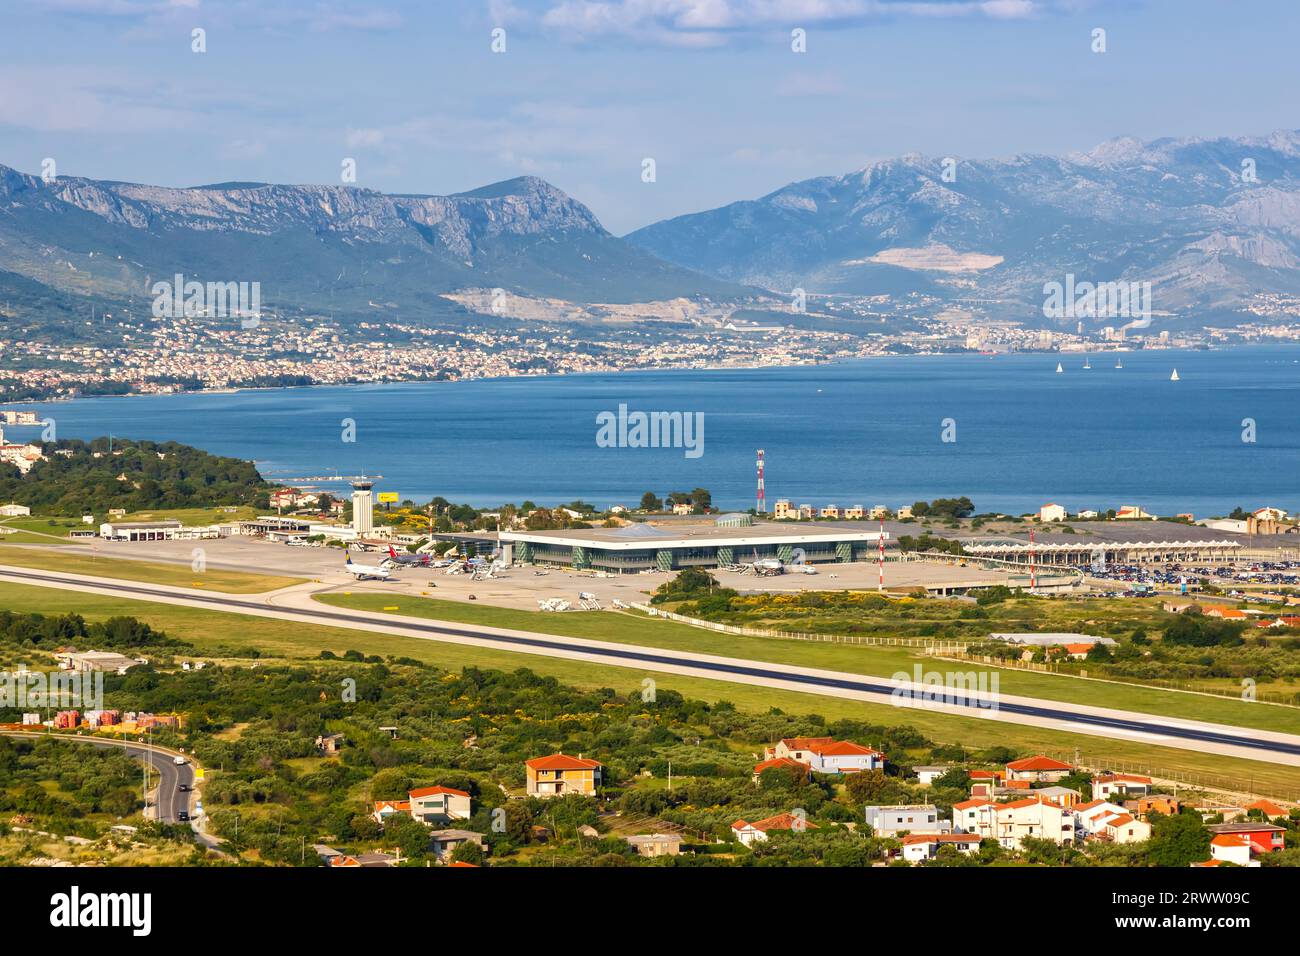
(363, 571)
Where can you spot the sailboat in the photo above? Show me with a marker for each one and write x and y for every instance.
(1174, 377)
(1119, 363)
(1087, 363)
(1058, 368)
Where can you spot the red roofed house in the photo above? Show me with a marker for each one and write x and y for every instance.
(1281, 622)
(1225, 613)
(439, 804)
(1126, 829)
(557, 774)
(827, 755)
(386, 808)
(1107, 785)
(787, 762)
(751, 833)
(924, 846)
(1262, 837)
(1230, 848)
(1039, 769)
(1268, 808)
(1009, 823)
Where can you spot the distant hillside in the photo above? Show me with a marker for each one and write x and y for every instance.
(354, 253)
(1183, 214)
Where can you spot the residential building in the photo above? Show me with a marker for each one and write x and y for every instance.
(1133, 513)
(915, 818)
(1169, 806)
(1232, 848)
(1039, 769)
(443, 843)
(787, 762)
(1107, 785)
(386, 808)
(656, 844)
(558, 773)
(1269, 808)
(438, 804)
(1092, 817)
(782, 511)
(1062, 795)
(12, 510)
(827, 755)
(830, 511)
(924, 846)
(1051, 512)
(1126, 829)
(751, 833)
(1263, 837)
(925, 776)
(1033, 817)
(857, 511)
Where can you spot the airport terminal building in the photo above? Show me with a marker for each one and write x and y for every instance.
(722, 542)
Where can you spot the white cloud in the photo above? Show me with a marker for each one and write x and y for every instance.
(712, 22)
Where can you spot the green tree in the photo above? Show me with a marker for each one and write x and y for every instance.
(1179, 840)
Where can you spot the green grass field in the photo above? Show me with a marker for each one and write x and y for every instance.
(880, 661)
(215, 629)
(81, 561)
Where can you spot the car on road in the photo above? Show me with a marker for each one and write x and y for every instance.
(183, 788)
(183, 816)
(178, 760)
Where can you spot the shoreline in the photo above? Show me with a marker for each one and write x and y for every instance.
(968, 353)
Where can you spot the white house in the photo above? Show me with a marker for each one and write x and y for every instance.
(916, 818)
(438, 804)
(1232, 848)
(1127, 829)
(827, 755)
(924, 846)
(12, 510)
(928, 775)
(1051, 512)
(1107, 785)
(1010, 823)
(751, 833)
(1091, 817)
(386, 808)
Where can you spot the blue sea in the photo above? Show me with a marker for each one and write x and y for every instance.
(864, 432)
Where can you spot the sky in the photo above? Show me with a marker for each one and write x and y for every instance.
(583, 93)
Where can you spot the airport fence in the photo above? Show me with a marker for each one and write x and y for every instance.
(1246, 786)
(1155, 683)
(932, 644)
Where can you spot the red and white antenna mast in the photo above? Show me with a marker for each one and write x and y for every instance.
(762, 497)
(1033, 568)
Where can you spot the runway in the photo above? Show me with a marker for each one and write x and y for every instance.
(296, 605)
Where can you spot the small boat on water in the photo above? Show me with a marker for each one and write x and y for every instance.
(1119, 363)
(1059, 370)
(1087, 363)
(1174, 377)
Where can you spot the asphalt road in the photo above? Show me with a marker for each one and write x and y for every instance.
(1057, 715)
(168, 798)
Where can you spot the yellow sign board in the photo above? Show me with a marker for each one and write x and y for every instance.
(386, 497)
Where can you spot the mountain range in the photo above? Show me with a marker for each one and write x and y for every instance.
(320, 249)
(1209, 222)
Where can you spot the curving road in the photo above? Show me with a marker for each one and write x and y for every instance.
(168, 798)
(1145, 728)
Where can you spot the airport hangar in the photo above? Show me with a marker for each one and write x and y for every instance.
(729, 540)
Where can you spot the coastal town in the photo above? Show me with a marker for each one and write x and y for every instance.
(187, 353)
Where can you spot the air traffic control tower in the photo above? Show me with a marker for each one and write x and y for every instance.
(363, 509)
